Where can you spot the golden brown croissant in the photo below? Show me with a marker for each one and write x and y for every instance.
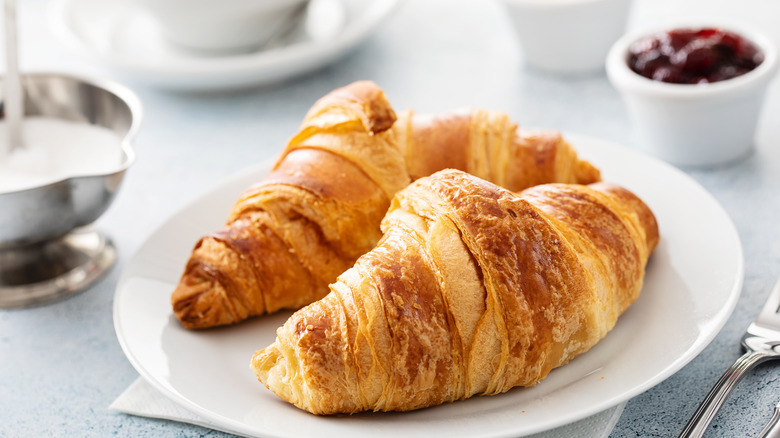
(295, 231)
(472, 290)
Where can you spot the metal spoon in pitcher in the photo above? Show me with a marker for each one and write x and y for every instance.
(13, 104)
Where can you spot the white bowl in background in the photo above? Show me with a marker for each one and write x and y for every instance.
(696, 125)
(221, 26)
(568, 36)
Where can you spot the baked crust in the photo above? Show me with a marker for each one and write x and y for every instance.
(292, 233)
(472, 290)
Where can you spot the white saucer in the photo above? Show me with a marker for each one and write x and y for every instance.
(122, 37)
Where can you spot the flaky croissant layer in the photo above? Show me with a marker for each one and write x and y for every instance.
(297, 229)
(471, 290)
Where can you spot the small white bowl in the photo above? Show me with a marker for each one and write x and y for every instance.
(696, 125)
(221, 26)
(568, 36)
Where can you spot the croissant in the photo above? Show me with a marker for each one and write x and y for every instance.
(471, 290)
(290, 235)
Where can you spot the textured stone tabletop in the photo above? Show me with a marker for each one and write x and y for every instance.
(61, 365)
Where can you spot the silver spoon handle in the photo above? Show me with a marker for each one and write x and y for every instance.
(13, 105)
(718, 394)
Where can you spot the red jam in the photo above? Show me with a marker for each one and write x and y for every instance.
(693, 56)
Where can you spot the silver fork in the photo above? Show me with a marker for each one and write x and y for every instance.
(761, 342)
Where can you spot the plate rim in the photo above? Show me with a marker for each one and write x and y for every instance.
(717, 321)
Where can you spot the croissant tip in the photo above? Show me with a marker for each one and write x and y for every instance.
(199, 305)
(273, 370)
(587, 173)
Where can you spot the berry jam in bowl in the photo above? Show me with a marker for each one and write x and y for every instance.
(694, 56)
(694, 92)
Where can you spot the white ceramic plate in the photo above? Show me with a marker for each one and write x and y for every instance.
(123, 37)
(692, 285)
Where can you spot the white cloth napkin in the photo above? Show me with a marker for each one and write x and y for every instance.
(141, 399)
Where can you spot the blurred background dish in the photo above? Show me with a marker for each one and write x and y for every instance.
(46, 252)
(693, 124)
(122, 36)
(567, 36)
(222, 27)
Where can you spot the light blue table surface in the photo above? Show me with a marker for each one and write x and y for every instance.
(61, 365)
